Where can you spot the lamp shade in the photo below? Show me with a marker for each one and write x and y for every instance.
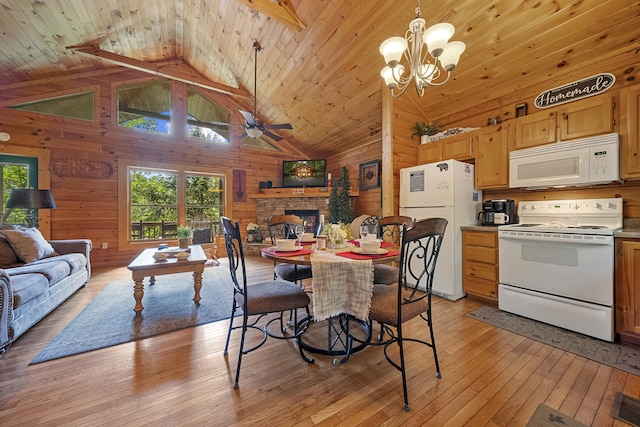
(254, 132)
(30, 198)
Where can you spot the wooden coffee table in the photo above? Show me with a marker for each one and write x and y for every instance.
(146, 266)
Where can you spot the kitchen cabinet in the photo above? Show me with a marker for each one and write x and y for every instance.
(459, 147)
(591, 116)
(630, 132)
(535, 129)
(627, 289)
(492, 157)
(429, 152)
(480, 264)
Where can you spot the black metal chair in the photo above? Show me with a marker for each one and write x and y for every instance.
(260, 299)
(390, 230)
(394, 305)
(284, 227)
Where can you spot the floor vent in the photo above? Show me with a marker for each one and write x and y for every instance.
(626, 409)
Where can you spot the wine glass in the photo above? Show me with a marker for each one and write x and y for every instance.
(364, 230)
(299, 233)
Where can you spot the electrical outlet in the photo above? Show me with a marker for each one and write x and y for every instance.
(104, 245)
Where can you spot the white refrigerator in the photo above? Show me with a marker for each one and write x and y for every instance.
(444, 190)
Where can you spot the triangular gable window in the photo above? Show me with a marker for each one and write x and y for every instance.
(259, 143)
(206, 119)
(78, 106)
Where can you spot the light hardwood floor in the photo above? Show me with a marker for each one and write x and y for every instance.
(489, 377)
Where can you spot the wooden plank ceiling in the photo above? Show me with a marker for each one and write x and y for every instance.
(319, 67)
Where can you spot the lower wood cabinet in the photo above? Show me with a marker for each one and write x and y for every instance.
(480, 264)
(627, 289)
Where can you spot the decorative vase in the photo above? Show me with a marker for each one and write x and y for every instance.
(184, 243)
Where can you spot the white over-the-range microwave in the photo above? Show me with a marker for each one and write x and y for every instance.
(581, 162)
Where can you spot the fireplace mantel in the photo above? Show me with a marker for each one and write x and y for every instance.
(269, 193)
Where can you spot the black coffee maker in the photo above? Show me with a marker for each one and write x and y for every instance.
(498, 212)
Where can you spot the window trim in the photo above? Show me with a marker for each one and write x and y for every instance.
(124, 221)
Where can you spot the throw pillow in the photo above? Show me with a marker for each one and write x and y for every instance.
(28, 244)
(8, 257)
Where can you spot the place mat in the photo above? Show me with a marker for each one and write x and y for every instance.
(287, 253)
(353, 255)
(382, 244)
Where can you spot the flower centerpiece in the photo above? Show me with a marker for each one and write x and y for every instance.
(337, 234)
(252, 230)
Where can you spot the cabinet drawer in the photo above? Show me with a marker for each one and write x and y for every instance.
(482, 288)
(481, 238)
(481, 271)
(481, 254)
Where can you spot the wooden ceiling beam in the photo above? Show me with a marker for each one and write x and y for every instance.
(94, 51)
(280, 11)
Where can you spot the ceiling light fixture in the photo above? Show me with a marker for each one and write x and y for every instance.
(426, 66)
(254, 132)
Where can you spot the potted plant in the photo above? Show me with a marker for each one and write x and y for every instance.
(424, 130)
(184, 236)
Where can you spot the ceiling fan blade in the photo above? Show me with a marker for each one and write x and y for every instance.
(248, 117)
(272, 135)
(279, 126)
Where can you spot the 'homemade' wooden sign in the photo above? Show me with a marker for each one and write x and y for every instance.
(584, 88)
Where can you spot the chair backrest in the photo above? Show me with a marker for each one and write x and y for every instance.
(201, 235)
(418, 256)
(390, 228)
(283, 227)
(235, 253)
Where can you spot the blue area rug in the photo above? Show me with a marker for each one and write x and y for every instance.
(168, 306)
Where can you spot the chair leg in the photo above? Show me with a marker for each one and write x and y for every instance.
(241, 349)
(403, 368)
(433, 344)
(233, 315)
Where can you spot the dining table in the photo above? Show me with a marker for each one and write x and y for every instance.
(341, 288)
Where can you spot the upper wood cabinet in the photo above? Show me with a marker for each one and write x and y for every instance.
(535, 129)
(459, 147)
(492, 157)
(591, 116)
(630, 132)
(429, 152)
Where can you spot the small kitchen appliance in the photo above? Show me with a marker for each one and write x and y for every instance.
(498, 212)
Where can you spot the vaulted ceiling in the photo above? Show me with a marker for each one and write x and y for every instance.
(319, 66)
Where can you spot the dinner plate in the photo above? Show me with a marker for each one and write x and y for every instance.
(378, 252)
(277, 249)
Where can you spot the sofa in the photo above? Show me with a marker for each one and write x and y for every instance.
(36, 276)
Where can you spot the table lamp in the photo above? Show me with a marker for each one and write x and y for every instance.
(31, 199)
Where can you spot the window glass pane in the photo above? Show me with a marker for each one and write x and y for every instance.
(77, 106)
(17, 172)
(205, 201)
(145, 106)
(206, 119)
(154, 204)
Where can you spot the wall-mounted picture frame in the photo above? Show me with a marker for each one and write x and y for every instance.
(370, 175)
(521, 109)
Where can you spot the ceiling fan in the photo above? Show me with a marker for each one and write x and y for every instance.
(254, 127)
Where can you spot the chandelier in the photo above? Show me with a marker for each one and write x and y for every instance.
(428, 53)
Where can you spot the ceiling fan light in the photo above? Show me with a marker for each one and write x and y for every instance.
(254, 132)
(437, 36)
(451, 55)
(392, 50)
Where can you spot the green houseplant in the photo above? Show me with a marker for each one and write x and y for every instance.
(422, 129)
(184, 235)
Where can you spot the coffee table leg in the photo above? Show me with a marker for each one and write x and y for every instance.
(197, 285)
(138, 292)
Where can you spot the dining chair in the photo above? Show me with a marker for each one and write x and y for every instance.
(284, 227)
(394, 305)
(260, 299)
(390, 230)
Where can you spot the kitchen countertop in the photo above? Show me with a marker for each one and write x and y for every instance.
(630, 231)
(478, 227)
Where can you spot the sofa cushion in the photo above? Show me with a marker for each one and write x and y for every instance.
(53, 271)
(27, 287)
(8, 257)
(28, 244)
(76, 261)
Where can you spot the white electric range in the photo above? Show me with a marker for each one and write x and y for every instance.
(557, 264)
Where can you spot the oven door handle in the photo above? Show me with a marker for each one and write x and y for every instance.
(566, 238)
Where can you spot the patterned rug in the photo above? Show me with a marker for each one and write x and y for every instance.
(615, 355)
(168, 306)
